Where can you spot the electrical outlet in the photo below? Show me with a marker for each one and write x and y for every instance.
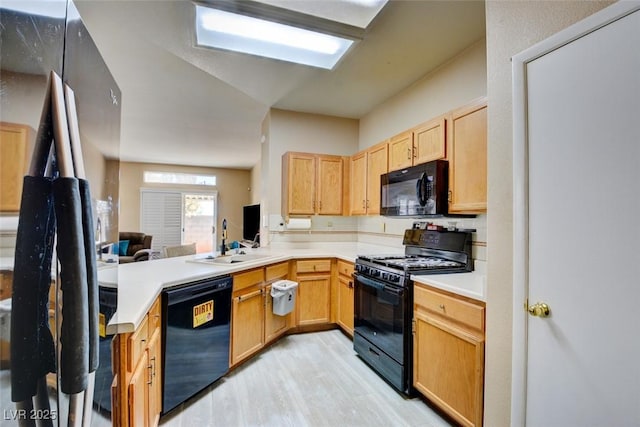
(329, 224)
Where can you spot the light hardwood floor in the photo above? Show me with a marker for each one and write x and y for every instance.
(312, 379)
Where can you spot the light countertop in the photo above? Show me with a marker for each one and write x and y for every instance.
(139, 284)
(472, 285)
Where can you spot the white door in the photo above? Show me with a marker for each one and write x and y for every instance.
(577, 227)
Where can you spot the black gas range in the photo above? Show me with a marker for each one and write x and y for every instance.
(384, 297)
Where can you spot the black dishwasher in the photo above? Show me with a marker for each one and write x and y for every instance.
(195, 338)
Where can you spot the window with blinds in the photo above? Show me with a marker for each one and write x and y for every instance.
(161, 217)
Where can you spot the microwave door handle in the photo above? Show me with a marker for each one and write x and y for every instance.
(420, 190)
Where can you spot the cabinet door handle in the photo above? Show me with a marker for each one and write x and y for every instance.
(450, 196)
(408, 153)
(415, 152)
(150, 375)
(364, 204)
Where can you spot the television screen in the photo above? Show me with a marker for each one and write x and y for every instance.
(250, 222)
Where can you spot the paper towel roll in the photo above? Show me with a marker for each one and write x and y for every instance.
(299, 224)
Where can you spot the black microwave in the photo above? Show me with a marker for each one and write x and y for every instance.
(417, 191)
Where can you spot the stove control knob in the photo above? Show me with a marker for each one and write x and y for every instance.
(385, 276)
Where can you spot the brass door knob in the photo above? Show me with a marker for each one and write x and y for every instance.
(539, 309)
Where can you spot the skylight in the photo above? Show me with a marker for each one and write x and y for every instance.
(241, 33)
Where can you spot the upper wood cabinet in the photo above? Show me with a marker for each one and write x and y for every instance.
(366, 168)
(467, 155)
(312, 184)
(329, 185)
(13, 159)
(423, 143)
(358, 202)
(429, 141)
(401, 151)
(298, 184)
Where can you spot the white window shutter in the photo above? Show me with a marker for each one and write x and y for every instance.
(161, 217)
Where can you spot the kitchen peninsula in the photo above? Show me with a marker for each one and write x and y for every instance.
(136, 324)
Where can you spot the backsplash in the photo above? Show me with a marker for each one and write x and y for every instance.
(377, 230)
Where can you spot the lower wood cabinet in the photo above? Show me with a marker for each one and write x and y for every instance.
(345, 298)
(448, 353)
(247, 314)
(253, 323)
(137, 363)
(274, 325)
(313, 305)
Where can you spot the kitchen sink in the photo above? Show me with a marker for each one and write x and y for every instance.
(231, 259)
(228, 259)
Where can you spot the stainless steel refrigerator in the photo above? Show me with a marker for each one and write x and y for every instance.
(37, 38)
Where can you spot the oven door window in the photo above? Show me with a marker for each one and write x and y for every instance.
(379, 315)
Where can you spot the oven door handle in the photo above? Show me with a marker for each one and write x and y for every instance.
(369, 282)
(378, 285)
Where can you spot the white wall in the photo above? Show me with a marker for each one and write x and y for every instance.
(454, 83)
(512, 26)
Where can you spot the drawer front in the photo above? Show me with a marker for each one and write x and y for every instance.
(313, 266)
(277, 271)
(250, 278)
(154, 317)
(464, 312)
(137, 344)
(345, 268)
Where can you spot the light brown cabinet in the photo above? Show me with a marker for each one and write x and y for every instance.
(401, 151)
(14, 140)
(275, 325)
(247, 314)
(448, 353)
(345, 298)
(253, 324)
(366, 168)
(429, 141)
(137, 363)
(154, 353)
(312, 184)
(467, 155)
(423, 143)
(313, 304)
